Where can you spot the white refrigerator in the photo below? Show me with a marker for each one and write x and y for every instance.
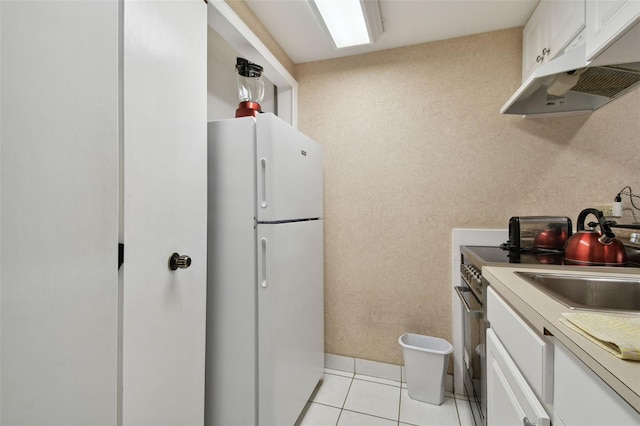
(265, 310)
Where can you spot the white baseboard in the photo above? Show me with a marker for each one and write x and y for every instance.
(373, 368)
(339, 362)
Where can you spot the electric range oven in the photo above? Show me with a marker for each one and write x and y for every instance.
(472, 296)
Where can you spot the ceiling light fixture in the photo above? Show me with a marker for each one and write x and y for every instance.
(350, 22)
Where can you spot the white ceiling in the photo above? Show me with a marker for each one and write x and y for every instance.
(406, 22)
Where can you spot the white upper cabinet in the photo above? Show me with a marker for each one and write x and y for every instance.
(533, 42)
(553, 24)
(607, 20)
(566, 19)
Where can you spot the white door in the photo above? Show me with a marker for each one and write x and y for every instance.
(165, 201)
(510, 400)
(290, 318)
(59, 230)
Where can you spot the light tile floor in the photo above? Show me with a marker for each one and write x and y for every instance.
(345, 399)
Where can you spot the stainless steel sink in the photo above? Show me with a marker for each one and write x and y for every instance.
(588, 292)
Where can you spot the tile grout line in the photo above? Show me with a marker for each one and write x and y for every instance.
(400, 403)
(363, 378)
(400, 398)
(376, 382)
(457, 412)
(346, 396)
(368, 414)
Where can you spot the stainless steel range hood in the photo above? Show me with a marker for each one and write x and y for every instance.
(570, 85)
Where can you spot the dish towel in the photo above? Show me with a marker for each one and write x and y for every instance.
(618, 334)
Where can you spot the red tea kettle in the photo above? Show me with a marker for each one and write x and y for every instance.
(589, 247)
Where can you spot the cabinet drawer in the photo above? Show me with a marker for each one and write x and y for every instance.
(531, 352)
(510, 400)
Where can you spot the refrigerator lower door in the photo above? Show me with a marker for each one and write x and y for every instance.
(290, 318)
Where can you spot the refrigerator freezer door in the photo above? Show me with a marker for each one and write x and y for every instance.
(289, 171)
(290, 318)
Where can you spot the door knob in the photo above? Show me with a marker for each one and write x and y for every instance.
(176, 261)
(527, 422)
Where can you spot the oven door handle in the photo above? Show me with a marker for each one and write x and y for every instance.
(472, 312)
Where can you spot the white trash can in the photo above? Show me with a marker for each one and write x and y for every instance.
(426, 359)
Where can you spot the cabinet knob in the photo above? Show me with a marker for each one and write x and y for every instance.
(177, 261)
(539, 58)
(527, 422)
(546, 51)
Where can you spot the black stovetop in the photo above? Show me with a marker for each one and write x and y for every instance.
(496, 255)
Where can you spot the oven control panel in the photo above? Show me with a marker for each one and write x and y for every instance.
(473, 276)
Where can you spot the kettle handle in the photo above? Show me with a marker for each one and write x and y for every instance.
(604, 227)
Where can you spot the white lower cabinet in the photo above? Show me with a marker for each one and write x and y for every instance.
(531, 352)
(582, 398)
(510, 400)
(532, 378)
(519, 368)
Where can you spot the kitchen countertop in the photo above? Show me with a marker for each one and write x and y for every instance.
(542, 312)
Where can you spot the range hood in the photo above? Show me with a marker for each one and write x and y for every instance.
(569, 84)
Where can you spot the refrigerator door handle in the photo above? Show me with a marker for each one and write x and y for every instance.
(263, 269)
(263, 178)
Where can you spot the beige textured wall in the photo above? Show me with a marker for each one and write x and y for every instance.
(414, 146)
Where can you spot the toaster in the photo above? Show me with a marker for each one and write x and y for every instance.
(532, 233)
